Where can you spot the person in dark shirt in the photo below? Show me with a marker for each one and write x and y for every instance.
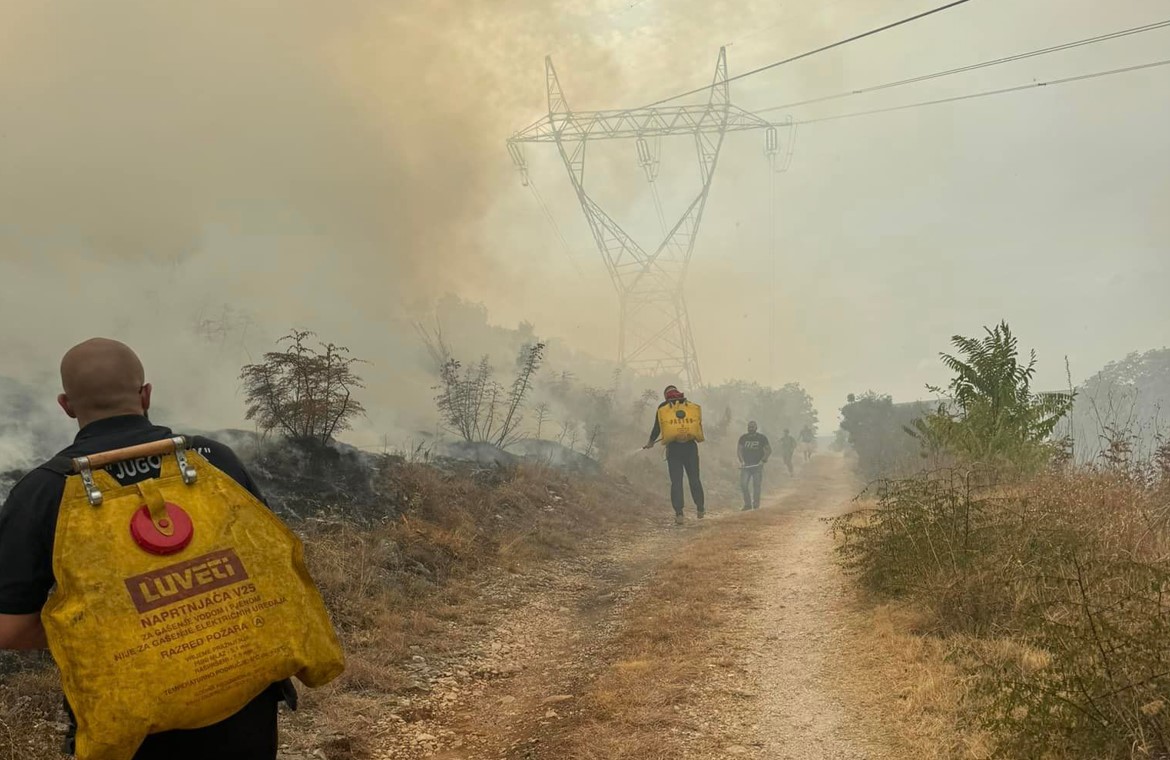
(106, 392)
(787, 449)
(753, 451)
(680, 457)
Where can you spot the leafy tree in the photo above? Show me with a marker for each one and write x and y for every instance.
(877, 429)
(773, 408)
(990, 413)
(304, 392)
(1129, 401)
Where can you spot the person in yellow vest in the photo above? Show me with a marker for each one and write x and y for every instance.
(107, 393)
(679, 423)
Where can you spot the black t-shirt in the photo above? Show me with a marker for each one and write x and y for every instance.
(28, 523)
(753, 447)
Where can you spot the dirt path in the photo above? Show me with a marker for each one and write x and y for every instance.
(780, 679)
(550, 636)
(795, 691)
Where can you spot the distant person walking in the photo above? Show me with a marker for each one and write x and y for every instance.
(680, 424)
(808, 442)
(787, 449)
(753, 451)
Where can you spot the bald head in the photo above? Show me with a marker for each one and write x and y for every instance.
(102, 378)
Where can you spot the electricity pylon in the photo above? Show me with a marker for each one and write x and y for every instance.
(655, 326)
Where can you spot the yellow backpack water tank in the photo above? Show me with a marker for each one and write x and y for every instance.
(178, 601)
(680, 422)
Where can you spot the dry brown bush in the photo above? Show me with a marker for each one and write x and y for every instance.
(1053, 592)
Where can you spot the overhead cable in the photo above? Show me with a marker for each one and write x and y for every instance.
(975, 66)
(810, 53)
(988, 93)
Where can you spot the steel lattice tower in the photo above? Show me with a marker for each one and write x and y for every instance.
(655, 326)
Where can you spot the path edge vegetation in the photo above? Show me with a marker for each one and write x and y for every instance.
(1039, 586)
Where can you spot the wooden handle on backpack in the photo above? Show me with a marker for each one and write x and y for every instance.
(153, 449)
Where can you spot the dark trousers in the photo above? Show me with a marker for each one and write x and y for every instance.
(750, 481)
(680, 458)
(788, 462)
(250, 734)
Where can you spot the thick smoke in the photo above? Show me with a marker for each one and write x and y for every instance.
(196, 179)
(29, 424)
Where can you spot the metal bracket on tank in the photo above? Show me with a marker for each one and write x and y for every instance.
(81, 464)
(185, 469)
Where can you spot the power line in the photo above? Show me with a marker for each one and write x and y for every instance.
(839, 43)
(988, 93)
(555, 227)
(976, 66)
(823, 5)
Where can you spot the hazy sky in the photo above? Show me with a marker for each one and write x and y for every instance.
(895, 231)
(340, 165)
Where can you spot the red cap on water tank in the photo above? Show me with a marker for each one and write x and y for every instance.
(147, 536)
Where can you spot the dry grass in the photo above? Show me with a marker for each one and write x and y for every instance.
(1046, 604)
(928, 690)
(410, 582)
(30, 702)
(411, 585)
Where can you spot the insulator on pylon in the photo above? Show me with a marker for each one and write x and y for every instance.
(647, 159)
(780, 154)
(517, 153)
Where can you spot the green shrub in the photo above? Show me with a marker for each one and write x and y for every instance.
(990, 413)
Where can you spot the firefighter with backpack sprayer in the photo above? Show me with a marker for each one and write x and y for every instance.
(106, 392)
(679, 422)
